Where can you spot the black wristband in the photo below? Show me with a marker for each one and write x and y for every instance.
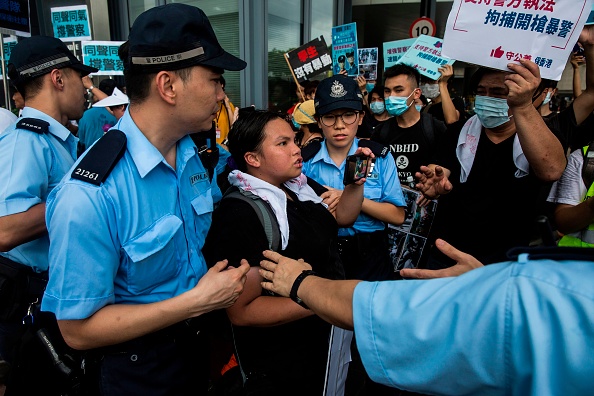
(293, 294)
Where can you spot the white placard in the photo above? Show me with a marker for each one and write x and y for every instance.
(494, 33)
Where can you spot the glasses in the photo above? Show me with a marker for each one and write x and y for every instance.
(348, 118)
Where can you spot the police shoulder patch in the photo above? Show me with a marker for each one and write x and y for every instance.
(100, 160)
(33, 124)
(378, 149)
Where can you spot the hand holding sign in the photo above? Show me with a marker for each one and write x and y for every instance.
(522, 83)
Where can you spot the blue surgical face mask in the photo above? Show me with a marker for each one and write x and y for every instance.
(377, 107)
(491, 112)
(419, 108)
(369, 87)
(397, 105)
(547, 99)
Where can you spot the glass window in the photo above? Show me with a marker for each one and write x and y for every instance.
(137, 7)
(285, 30)
(322, 19)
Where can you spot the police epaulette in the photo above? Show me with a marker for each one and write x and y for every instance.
(310, 150)
(100, 160)
(33, 124)
(378, 149)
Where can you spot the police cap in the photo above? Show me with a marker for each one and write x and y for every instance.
(39, 55)
(338, 92)
(173, 37)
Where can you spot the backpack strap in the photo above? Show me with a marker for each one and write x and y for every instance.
(263, 211)
(33, 124)
(317, 187)
(378, 149)
(310, 150)
(100, 160)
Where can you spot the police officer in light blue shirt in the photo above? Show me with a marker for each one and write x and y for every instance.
(35, 153)
(363, 247)
(128, 224)
(521, 327)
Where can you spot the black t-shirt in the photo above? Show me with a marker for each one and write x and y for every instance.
(410, 146)
(564, 126)
(436, 110)
(493, 210)
(368, 126)
(293, 355)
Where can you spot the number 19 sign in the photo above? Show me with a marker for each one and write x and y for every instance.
(421, 26)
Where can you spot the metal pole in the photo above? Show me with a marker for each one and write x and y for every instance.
(4, 76)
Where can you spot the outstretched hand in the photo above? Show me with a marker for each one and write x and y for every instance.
(433, 181)
(281, 271)
(464, 263)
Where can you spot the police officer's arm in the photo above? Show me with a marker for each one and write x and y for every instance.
(571, 218)
(254, 309)
(583, 105)
(450, 113)
(19, 228)
(332, 300)
(541, 148)
(219, 288)
(384, 211)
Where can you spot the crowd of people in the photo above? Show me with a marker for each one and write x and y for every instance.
(180, 246)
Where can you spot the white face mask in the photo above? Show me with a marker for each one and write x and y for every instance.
(430, 91)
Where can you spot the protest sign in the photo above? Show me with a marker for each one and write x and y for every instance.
(494, 33)
(344, 49)
(368, 63)
(103, 55)
(14, 18)
(310, 59)
(71, 23)
(394, 50)
(425, 56)
(9, 43)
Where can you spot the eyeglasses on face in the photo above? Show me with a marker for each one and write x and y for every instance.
(348, 118)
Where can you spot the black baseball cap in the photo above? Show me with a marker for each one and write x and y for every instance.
(338, 92)
(39, 55)
(173, 37)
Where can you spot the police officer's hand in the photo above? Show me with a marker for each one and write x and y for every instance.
(281, 271)
(433, 181)
(464, 263)
(522, 83)
(221, 286)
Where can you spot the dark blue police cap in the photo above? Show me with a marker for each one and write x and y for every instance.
(39, 55)
(338, 92)
(173, 37)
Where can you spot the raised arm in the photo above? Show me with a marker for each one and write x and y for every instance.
(576, 61)
(450, 113)
(583, 105)
(541, 148)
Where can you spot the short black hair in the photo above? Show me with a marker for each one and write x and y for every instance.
(379, 90)
(478, 76)
(247, 134)
(400, 69)
(107, 86)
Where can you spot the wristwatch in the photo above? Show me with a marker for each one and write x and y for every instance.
(364, 93)
(92, 87)
(293, 294)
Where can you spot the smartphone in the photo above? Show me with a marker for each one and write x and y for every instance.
(578, 50)
(357, 167)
